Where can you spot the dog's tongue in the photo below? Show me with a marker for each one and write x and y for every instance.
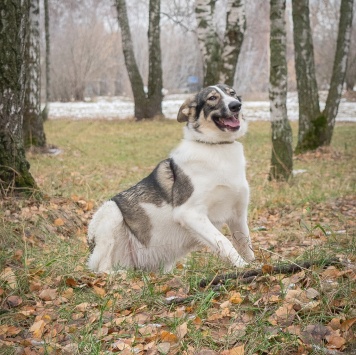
(232, 122)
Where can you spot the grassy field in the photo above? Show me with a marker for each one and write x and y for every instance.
(51, 304)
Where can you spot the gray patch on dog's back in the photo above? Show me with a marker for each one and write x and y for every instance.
(166, 184)
(182, 187)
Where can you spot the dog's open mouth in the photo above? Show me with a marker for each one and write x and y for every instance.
(231, 123)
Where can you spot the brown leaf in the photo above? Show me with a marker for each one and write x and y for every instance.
(59, 222)
(182, 330)
(267, 269)
(314, 334)
(13, 301)
(68, 293)
(99, 291)
(82, 307)
(284, 315)
(335, 341)
(168, 337)
(164, 347)
(347, 324)
(235, 298)
(71, 282)
(49, 294)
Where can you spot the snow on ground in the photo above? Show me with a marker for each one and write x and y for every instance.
(112, 108)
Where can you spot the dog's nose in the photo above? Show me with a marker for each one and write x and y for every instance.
(235, 106)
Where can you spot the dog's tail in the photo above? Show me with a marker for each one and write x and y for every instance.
(103, 238)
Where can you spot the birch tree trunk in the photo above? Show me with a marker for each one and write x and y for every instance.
(282, 151)
(149, 106)
(32, 123)
(48, 53)
(14, 168)
(339, 68)
(234, 35)
(208, 40)
(155, 96)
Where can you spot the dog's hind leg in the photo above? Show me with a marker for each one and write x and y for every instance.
(104, 234)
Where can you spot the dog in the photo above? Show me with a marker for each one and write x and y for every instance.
(187, 198)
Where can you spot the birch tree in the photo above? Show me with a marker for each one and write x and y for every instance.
(220, 57)
(14, 168)
(48, 54)
(150, 105)
(33, 131)
(316, 127)
(282, 151)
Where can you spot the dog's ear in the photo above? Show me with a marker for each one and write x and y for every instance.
(187, 110)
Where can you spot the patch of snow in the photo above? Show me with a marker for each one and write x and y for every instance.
(112, 108)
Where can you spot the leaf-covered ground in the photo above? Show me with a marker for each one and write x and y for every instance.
(50, 303)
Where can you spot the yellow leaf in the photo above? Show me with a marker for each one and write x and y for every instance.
(99, 291)
(37, 328)
(238, 350)
(59, 222)
(236, 298)
(168, 337)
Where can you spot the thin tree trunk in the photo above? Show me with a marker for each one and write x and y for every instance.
(48, 53)
(33, 124)
(14, 168)
(234, 35)
(208, 41)
(339, 68)
(282, 151)
(311, 122)
(140, 98)
(155, 62)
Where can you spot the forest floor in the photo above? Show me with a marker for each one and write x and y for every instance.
(50, 303)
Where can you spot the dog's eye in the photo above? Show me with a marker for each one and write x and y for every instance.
(212, 98)
(232, 93)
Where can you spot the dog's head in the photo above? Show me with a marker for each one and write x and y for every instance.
(214, 115)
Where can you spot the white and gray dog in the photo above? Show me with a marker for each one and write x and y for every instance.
(187, 198)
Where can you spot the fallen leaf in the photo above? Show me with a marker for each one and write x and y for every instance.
(13, 301)
(237, 350)
(335, 341)
(168, 337)
(284, 315)
(182, 330)
(37, 328)
(99, 291)
(68, 293)
(164, 348)
(49, 294)
(59, 222)
(347, 324)
(82, 307)
(267, 269)
(235, 298)
(8, 276)
(314, 334)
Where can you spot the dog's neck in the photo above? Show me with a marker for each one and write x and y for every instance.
(212, 143)
(213, 139)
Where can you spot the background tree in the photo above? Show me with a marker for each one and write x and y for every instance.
(220, 56)
(47, 61)
(33, 131)
(14, 168)
(282, 151)
(150, 105)
(316, 127)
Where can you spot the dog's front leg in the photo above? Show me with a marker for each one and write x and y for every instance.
(207, 234)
